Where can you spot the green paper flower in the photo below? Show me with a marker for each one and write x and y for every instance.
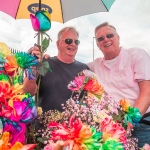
(133, 115)
(112, 145)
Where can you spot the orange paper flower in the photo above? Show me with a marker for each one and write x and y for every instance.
(124, 104)
(94, 87)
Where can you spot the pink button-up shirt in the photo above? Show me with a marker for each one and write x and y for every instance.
(120, 76)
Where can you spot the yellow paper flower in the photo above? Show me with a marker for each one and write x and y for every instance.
(4, 48)
(100, 116)
(17, 146)
(124, 104)
(39, 110)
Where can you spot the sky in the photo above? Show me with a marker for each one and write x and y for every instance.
(130, 17)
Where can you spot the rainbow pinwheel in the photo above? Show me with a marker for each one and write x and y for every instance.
(41, 21)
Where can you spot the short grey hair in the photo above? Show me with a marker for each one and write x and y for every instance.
(103, 25)
(67, 29)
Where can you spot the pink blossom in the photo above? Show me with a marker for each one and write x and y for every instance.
(146, 147)
(48, 147)
(76, 84)
(113, 129)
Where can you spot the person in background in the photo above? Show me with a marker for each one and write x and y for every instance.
(124, 73)
(53, 89)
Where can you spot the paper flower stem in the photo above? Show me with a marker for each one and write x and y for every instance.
(81, 101)
(37, 94)
(40, 34)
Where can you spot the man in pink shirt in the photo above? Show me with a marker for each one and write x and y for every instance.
(124, 73)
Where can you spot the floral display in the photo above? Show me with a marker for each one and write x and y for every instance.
(17, 108)
(91, 120)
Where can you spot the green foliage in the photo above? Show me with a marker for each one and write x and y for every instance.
(45, 43)
(42, 139)
(43, 68)
(119, 117)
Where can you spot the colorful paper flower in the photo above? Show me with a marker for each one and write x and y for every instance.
(77, 135)
(6, 92)
(19, 61)
(17, 109)
(86, 81)
(23, 109)
(124, 104)
(112, 130)
(4, 51)
(16, 129)
(6, 145)
(94, 87)
(41, 21)
(112, 145)
(133, 116)
(77, 83)
(3, 77)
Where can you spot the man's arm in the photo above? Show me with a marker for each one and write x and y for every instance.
(30, 86)
(143, 100)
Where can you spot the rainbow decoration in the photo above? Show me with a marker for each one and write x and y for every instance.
(17, 108)
(41, 21)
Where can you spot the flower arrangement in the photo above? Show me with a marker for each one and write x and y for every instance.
(91, 120)
(17, 108)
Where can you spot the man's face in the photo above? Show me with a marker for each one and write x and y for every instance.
(70, 49)
(108, 42)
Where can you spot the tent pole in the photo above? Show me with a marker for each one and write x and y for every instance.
(93, 47)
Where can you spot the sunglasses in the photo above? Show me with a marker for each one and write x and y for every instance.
(111, 35)
(69, 41)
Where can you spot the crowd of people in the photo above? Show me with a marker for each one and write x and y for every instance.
(124, 73)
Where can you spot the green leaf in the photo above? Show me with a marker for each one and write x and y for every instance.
(118, 117)
(43, 68)
(42, 139)
(45, 43)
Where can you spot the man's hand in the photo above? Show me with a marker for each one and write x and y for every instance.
(30, 86)
(46, 56)
(36, 52)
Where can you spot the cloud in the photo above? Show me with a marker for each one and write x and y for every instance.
(130, 17)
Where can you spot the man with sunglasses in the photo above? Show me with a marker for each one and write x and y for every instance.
(124, 73)
(53, 89)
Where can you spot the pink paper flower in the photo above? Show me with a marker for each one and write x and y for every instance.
(76, 84)
(111, 129)
(146, 147)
